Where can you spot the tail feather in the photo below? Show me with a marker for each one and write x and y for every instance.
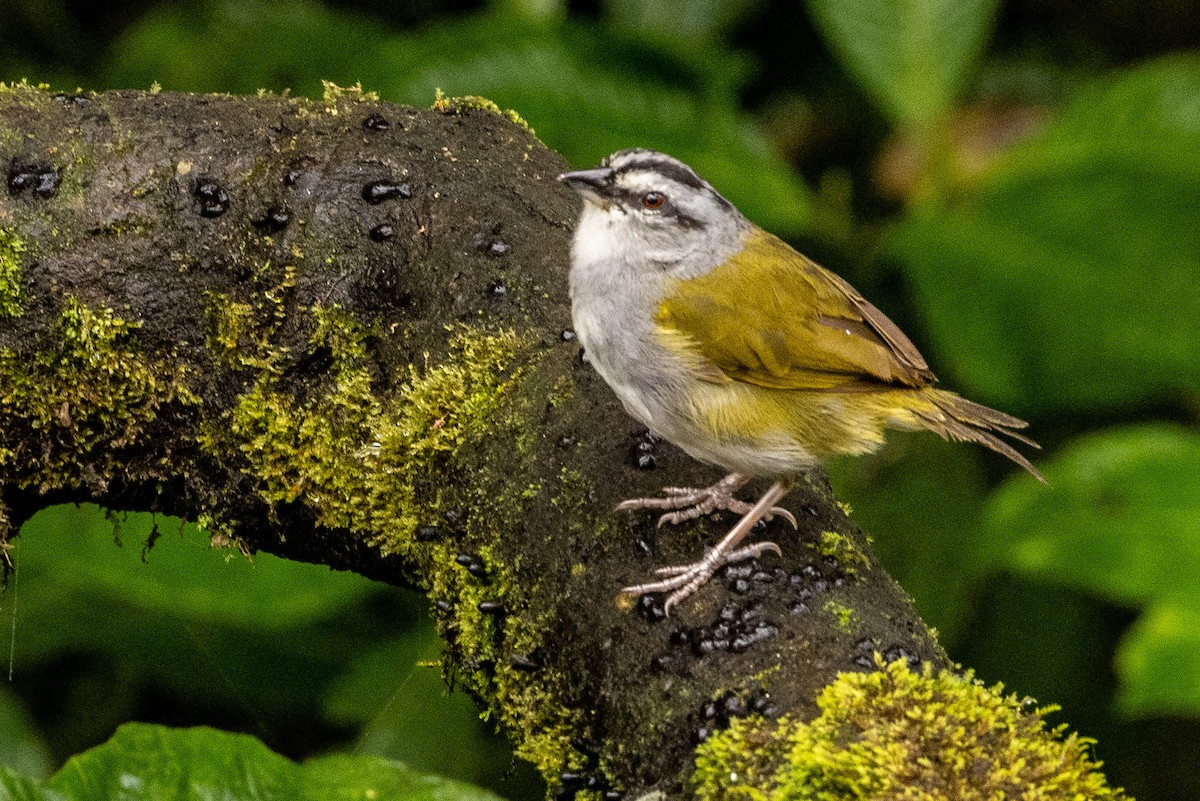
(954, 417)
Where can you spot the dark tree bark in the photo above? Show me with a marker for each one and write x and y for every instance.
(339, 332)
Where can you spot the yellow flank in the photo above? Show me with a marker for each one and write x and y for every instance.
(822, 423)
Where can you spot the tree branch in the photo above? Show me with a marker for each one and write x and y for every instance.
(339, 332)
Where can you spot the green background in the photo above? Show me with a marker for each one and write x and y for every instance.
(1016, 183)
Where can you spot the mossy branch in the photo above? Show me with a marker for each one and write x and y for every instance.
(338, 331)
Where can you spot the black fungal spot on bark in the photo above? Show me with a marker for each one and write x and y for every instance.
(473, 564)
(64, 99)
(377, 192)
(274, 220)
(382, 232)
(214, 200)
(662, 663)
(376, 122)
(650, 608)
(718, 713)
(643, 453)
(574, 782)
(40, 178)
(897, 652)
(428, 534)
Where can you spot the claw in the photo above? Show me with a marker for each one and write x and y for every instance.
(781, 512)
(683, 580)
(688, 503)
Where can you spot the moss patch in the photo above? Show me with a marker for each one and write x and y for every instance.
(457, 105)
(88, 389)
(840, 547)
(326, 451)
(897, 734)
(11, 273)
(331, 92)
(843, 616)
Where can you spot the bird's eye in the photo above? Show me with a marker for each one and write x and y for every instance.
(654, 200)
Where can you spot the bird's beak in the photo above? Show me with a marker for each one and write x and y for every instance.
(592, 184)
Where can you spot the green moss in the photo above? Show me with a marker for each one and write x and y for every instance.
(333, 93)
(896, 734)
(344, 440)
(21, 84)
(382, 464)
(88, 390)
(243, 334)
(232, 324)
(842, 615)
(11, 273)
(457, 105)
(840, 547)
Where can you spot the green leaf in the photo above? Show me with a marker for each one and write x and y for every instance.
(394, 691)
(269, 641)
(262, 634)
(913, 56)
(1065, 280)
(201, 764)
(180, 571)
(15, 787)
(1120, 515)
(586, 90)
(1159, 662)
(1120, 518)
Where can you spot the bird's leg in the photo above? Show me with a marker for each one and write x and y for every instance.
(688, 503)
(683, 580)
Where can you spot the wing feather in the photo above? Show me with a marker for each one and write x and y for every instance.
(774, 318)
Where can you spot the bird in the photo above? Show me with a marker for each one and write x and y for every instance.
(721, 338)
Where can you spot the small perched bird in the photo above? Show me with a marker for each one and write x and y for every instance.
(724, 340)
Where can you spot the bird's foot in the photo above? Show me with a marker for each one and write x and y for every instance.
(689, 503)
(683, 580)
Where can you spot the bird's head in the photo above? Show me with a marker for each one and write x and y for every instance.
(645, 207)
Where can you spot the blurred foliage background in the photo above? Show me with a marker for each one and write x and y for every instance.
(1016, 182)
